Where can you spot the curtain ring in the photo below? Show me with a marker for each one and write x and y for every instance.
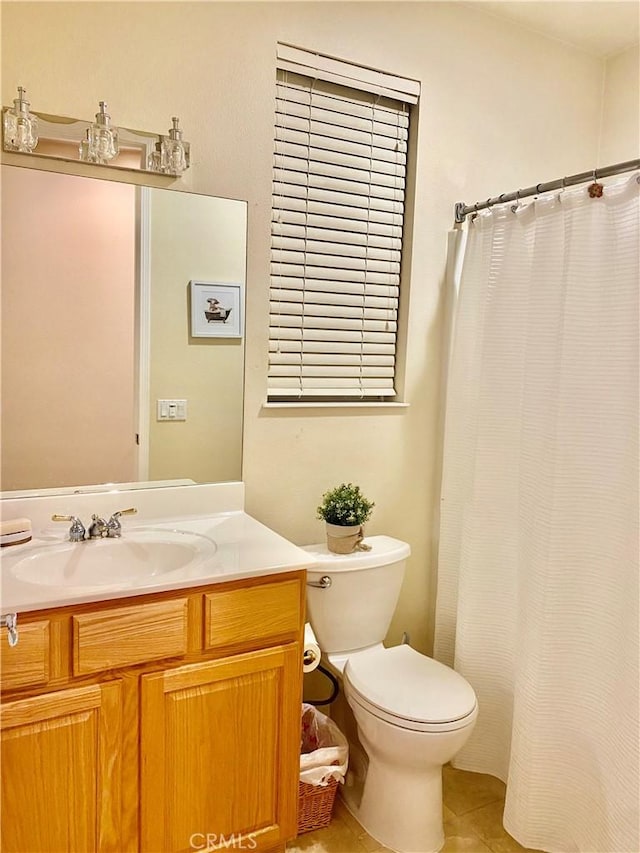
(562, 188)
(515, 206)
(595, 190)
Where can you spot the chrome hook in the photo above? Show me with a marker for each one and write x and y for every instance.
(10, 622)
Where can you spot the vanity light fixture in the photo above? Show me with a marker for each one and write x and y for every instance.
(102, 139)
(98, 142)
(20, 126)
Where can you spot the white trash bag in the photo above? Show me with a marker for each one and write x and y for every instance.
(324, 751)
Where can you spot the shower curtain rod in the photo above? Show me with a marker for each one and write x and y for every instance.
(462, 210)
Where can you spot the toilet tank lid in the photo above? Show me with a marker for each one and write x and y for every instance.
(384, 551)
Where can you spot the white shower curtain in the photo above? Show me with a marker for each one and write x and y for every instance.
(538, 563)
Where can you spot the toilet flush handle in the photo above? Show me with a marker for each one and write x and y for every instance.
(324, 582)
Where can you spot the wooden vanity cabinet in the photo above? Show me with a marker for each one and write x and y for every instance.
(160, 723)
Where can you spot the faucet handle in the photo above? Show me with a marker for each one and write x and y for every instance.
(131, 511)
(114, 528)
(76, 531)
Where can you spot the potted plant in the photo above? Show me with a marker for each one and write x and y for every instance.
(344, 510)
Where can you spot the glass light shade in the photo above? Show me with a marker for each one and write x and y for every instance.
(83, 148)
(154, 160)
(102, 138)
(174, 151)
(20, 126)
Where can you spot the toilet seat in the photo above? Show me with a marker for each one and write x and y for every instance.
(410, 690)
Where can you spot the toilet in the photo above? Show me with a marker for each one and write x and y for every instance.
(412, 713)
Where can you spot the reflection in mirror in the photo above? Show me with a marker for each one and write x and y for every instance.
(96, 330)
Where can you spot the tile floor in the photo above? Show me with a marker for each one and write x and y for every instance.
(473, 805)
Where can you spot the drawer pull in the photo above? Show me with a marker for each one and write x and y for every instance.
(10, 622)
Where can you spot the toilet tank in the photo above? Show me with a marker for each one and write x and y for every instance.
(355, 611)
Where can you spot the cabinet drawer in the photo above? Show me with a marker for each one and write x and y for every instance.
(252, 613)
(124, 636)
(28, 662)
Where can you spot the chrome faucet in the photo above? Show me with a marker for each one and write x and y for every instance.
(114, 528)
(76, 531)
(98, 529)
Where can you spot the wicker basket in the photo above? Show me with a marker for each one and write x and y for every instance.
(315, 804)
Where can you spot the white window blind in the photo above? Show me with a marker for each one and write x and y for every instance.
(337, 217)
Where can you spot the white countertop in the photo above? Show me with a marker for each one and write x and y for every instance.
(244, 548)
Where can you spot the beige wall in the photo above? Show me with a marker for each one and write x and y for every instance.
(620, 136)
(201, 238)
(501, 107)
(68, 276)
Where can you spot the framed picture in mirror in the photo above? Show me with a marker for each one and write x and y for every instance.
(216, 310)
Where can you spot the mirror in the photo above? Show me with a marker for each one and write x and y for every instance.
(97, 328)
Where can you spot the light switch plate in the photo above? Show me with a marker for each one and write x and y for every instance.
(171, 410)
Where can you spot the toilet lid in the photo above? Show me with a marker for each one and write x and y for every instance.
(411, 686)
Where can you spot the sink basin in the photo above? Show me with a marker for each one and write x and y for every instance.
(136, 557)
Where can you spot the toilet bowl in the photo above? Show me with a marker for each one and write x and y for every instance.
(412, 713)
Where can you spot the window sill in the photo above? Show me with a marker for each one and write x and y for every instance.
(360, 406)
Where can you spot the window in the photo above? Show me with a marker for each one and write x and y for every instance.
(337, 218)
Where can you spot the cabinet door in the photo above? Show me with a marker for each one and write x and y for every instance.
(220, 748)
(61, 766)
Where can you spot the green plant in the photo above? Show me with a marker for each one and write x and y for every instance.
(345, 505)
